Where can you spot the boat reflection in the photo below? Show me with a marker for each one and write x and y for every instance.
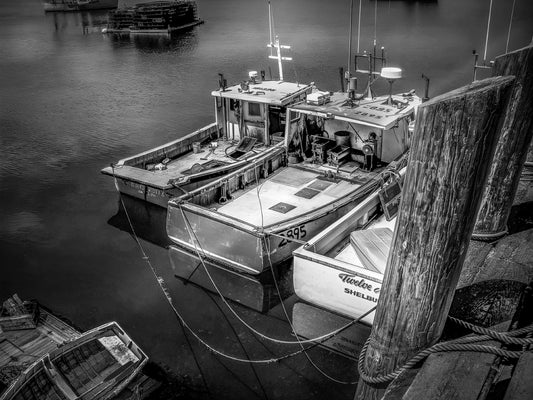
(148, 220)
(156, 43)
(88, 21)
(311, 322)
(256, 292)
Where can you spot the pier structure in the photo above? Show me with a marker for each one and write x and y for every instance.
(468, 151)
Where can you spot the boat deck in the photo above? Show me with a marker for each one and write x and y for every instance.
(348, 253)
(289, 193)
(181, 166)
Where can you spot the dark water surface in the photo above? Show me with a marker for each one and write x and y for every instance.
(72, 100)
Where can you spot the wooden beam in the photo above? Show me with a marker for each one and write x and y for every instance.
(511, 150)
(454, 141)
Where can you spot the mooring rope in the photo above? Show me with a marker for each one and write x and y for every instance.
(201, 255)
(461, 344)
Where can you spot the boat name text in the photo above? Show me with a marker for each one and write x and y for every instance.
(358, 282)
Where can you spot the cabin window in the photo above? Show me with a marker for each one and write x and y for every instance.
(233, 104)
(254, 109)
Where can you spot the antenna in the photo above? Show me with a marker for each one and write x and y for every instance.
(276, 45)
(278, 56)
(270, 25)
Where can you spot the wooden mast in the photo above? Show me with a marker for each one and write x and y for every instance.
(454, 141)
(512, 147)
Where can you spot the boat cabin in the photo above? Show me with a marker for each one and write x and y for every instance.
(256, 109)
(333, 129)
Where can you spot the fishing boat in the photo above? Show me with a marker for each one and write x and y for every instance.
(341, 269)
(159, 17)
(95, 365)
(248, 128)
(78, 5)
(341, 147)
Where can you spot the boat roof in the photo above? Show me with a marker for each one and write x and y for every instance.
(375, 113)
(267, 92)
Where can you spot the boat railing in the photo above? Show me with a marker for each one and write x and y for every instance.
(174, 148)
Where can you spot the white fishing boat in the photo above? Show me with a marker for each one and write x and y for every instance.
(248, 127)
(95, 365)
(341, 269)
(340, 149)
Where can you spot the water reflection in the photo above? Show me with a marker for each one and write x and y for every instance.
(257, 297)
(86, 21)
(311, 321)
(256, 292)
(157, 43)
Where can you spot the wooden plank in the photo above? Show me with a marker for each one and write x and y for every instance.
(454, 140)
(451, 376)
(521, 385)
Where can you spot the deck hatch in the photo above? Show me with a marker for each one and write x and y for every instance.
(282, 208)
(319, 185)
(307, 193)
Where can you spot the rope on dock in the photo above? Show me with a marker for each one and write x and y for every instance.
(461, 344)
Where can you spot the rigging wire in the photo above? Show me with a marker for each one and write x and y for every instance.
(510, 25)
(375, 21)
(359, 26)
(487, 36)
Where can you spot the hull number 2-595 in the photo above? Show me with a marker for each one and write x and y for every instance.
(296, 233)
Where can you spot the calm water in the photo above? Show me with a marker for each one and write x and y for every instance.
(72, 100)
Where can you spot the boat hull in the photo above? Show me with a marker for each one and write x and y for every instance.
(349, 291)
(332, 283)
(242, 246)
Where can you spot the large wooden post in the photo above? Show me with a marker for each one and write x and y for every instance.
(454, 141)
(512, 147)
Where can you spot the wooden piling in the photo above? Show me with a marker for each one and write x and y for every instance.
(511, 150)
(455, 137)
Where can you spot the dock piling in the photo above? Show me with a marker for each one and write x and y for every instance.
(512, 147)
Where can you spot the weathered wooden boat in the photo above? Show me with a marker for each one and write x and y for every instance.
(95, 365)
(341, 269)
(339, 151)
(249, 126)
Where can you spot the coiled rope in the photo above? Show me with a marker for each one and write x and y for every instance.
(461, 344)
